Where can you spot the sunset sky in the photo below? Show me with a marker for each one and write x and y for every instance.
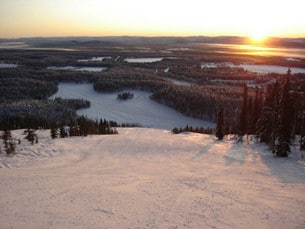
(255, 18)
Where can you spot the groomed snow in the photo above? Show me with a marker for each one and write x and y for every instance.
(141, 109)
(149, 178)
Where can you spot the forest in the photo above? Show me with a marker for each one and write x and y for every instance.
(239, 101)
(275, 117)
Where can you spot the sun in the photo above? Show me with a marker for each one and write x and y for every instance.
(258, 35)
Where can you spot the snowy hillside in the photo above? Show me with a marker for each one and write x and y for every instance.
(149, 178)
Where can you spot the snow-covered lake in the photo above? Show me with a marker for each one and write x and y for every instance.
(263, 69)
(72, 68)
(141, 109)
(143, 60)
(179, 82)
(95, 59)
(5, 65)
(259, 50)
(270, 68)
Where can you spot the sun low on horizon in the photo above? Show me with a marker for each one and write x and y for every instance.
(257, 37)
(255, 19)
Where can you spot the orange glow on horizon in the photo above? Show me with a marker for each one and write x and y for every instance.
(257, 19)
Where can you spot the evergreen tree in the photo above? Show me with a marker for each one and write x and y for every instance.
(266, 126)
(6, 137)
(302, 129)
(62, 132)
(31, 136)
(251, 125)
(302, 140)
(243, 120)
(54, 133)
(9, 142)
(220, 124)
(83, 126)
(299, 122)
(256, 111)
(285, 119)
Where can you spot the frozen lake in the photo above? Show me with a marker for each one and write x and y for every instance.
(4, 65)
(270, 68)
(143, 60)
(72, 68)
(262, 69)
(95, 59)
(141, 109)
(259, 50)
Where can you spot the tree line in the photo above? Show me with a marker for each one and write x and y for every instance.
(83, 126)
(19, 114)
(80, 126)
(200, 101)
(274, 116)
(25, 88)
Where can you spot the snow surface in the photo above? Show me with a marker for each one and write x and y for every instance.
(141, 109)
(149, 178)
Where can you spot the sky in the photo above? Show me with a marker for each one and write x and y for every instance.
(256, 18)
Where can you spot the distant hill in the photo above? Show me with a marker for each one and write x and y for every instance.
(93, 41)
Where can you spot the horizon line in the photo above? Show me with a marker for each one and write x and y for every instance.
(146, 36)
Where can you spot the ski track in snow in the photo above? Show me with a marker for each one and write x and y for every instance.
(149, 178)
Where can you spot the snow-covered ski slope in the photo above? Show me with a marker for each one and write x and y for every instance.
(149, 178)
